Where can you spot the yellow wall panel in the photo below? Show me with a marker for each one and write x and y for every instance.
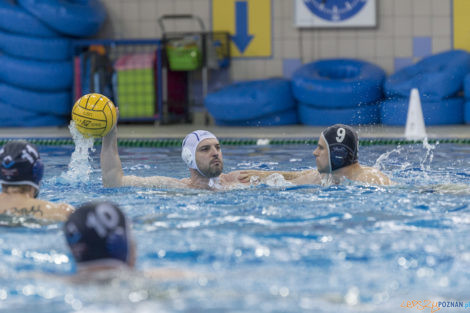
(248, 21)
(461, 24)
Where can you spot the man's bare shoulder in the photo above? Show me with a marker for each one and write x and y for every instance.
(37, 208)
(57, 211)
(372, 175)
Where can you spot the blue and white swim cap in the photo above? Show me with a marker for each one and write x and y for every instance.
(190, 143)
(20, 164)
(342, 145)
(97, 232)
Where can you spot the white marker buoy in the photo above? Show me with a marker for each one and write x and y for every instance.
(415, 128)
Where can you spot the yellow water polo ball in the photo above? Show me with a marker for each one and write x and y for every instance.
(94, 115)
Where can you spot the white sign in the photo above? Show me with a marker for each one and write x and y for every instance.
(335, 13)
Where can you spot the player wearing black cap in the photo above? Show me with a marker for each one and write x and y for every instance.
(336, 159)
(21, 171)
(98, 236)
(100, 239)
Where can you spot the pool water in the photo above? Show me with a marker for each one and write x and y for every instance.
(267, 248)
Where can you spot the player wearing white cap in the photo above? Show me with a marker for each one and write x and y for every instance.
(200, 151)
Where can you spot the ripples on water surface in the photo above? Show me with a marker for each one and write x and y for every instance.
(348, 248)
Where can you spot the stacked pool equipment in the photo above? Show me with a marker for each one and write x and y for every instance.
(439, 78)
(267, 102)
(466, 92)
(335, 91)
(36, 57)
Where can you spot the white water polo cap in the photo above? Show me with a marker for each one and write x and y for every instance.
(190, 143)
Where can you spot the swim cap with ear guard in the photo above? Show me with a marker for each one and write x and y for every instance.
(97, 232)
(190, 143)
(342, 145)
(20, 164)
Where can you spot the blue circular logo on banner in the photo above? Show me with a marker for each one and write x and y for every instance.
(335, 10)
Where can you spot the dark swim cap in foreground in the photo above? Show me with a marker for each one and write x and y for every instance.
(342, 143)
(98, 231)
(20, 164)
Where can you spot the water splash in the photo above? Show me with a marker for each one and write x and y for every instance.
(415, 161)
(425, 164)
(384, 156)
(79, 168)
(277, 180)
(328, 180)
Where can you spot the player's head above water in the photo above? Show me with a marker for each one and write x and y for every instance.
(201, 152)
(98, 234)
(20, 164)
(341, 145)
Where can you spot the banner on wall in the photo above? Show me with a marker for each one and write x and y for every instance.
(335, 13)
(249, 25)
(461, 25)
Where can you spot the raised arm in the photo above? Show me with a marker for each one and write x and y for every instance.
(113, 175)
(111, 168)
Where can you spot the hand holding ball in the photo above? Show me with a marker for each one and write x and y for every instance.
(94, 115)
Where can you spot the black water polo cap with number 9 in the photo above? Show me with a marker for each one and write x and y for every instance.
(342, 143)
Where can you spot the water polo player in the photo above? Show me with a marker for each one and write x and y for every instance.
(337, 148)
(99, 238)
(200, 151)
(336, 158)
(21, 171)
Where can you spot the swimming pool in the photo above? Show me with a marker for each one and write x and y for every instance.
(269, 248)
